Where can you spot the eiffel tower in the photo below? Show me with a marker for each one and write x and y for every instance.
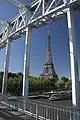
(48, 70)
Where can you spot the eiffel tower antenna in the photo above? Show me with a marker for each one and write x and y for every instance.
(48, 70)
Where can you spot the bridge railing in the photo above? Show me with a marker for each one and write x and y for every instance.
(54, 112)
(42, 111)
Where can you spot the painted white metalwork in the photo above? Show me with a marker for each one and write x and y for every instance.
(26, 66)
(6, 66)
(36, 15)
(73, 59)
(4, 25)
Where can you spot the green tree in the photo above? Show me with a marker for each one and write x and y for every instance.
(68, 85)
(15, 83)
(60, 84)
(40, 84)
(65, 79)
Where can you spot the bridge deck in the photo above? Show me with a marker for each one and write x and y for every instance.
(10, 114)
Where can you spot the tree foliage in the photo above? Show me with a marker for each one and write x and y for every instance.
(36, 84)
(60, 84)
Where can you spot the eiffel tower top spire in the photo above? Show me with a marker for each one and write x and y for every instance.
(48, 70)
(49, 53)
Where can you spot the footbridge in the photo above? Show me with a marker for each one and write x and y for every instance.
(30, 17)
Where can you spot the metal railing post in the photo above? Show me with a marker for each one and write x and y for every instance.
(36, 111)
(30, 109)
(70, 115)
(46, 113)
(57, 114)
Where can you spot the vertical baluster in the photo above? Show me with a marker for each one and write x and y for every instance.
(30, 109)
(54, 116)
(57, 114)
(37, 111)
(46, 112)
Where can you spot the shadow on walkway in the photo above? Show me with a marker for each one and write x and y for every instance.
(10, 114)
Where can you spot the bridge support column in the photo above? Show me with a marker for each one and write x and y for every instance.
(26, 67)
(6, 66)
(73, 61)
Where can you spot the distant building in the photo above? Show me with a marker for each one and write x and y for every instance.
(48, 70)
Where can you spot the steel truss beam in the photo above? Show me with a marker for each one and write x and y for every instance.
(37, 15)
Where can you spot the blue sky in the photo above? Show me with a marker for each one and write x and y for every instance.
(59, 40)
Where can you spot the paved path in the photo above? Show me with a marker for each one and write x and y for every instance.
(9, 114)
